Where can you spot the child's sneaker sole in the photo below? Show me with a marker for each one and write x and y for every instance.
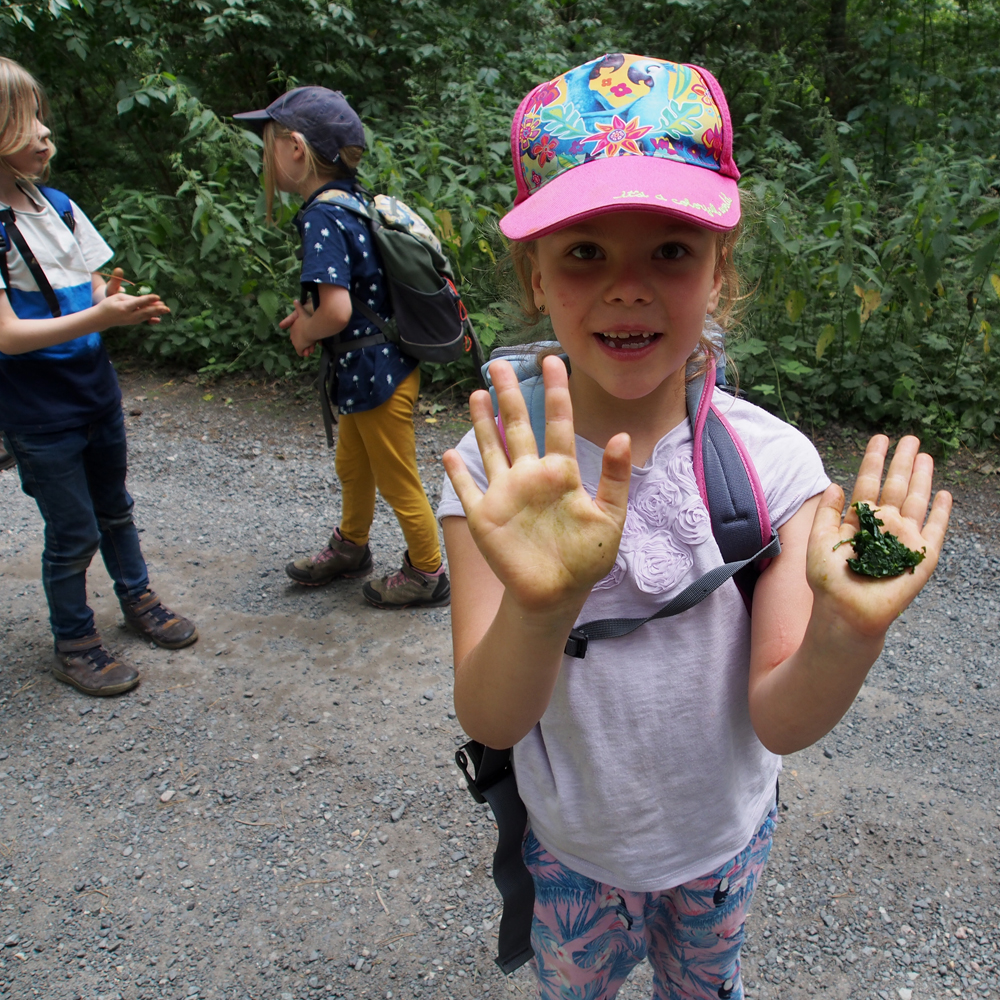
(372, 597)
(297, 576)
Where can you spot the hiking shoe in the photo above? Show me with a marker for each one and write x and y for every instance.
(153, 621)
(88, 666)
(340, 560)
(409, 588)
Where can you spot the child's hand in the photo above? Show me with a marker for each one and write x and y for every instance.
(114, 283)
(294, 324)
(865, 604)
(119, 309)
(545, 539)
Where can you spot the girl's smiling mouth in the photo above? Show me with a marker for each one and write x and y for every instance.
(631, 342)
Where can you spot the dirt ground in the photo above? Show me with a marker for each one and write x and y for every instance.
(275, 812)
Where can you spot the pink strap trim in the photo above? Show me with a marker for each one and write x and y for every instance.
(758, 491)
(704, 405)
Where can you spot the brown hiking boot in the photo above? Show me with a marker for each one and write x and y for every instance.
(409, 588)
(153, 621)
(87, 665)
(340, 560)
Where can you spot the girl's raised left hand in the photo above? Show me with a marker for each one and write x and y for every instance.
(867, 605)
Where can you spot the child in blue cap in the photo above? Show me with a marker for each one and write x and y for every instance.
(313, 143)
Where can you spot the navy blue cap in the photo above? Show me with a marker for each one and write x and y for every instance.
(325, 119)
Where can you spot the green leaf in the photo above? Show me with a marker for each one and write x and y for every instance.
(269, 302)
(932, 270)
(852, 326)
(126, 104)
(793, 367)
(794, 305)
(986, 219)
(984, 256)
(844, 275)
(210, 242)
(826, 338)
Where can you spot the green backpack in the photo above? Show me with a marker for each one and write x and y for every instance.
(429, 320)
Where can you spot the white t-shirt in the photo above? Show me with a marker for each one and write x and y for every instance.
(645, 771)
(67, 258)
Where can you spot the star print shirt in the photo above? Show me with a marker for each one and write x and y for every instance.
(338, 250)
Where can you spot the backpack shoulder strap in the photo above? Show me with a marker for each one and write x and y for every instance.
(343, 199)
(494, 783)
(61, 203)
(728, 483)
(729, 487)
(731, 491)
(8, 220)
(529, 375)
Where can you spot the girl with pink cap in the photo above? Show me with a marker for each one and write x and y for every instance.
(648, 769)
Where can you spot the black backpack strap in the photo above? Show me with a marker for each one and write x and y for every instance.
(325, 378)
(4, 250)
(494, 784)
(373, 317)
(332, 349)
(346, 346)
(9, 220)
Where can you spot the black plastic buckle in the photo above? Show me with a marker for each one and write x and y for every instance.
(576, 644)
(462, 760)
(482, 782)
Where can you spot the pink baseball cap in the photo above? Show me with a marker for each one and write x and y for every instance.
(623, 132)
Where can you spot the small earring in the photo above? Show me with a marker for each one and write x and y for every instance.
(543, 310)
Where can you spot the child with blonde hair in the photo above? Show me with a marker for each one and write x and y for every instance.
(313, 143)
(648, 768)
(60, 405)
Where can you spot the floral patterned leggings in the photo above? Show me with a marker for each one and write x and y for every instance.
(588, 936)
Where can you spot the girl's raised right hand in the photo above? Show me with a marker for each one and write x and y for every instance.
(119, 309)
(536, 526)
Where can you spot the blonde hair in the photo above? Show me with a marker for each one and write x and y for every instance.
(22, 101)
(315, 163)
(521, 257)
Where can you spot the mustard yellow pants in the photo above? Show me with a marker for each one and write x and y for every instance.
(377, 450)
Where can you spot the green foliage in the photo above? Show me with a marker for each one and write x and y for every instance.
(227, 277)
(878, 553)
(866, 134)
(870, 300)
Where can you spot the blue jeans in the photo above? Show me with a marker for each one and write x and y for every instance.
(77, 478)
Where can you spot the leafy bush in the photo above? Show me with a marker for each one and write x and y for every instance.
(206, 249)
(876, 303)
(866, 133)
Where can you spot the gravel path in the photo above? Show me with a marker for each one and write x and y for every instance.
(275, 812)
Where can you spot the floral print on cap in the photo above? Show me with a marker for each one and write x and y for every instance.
(618, 105)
